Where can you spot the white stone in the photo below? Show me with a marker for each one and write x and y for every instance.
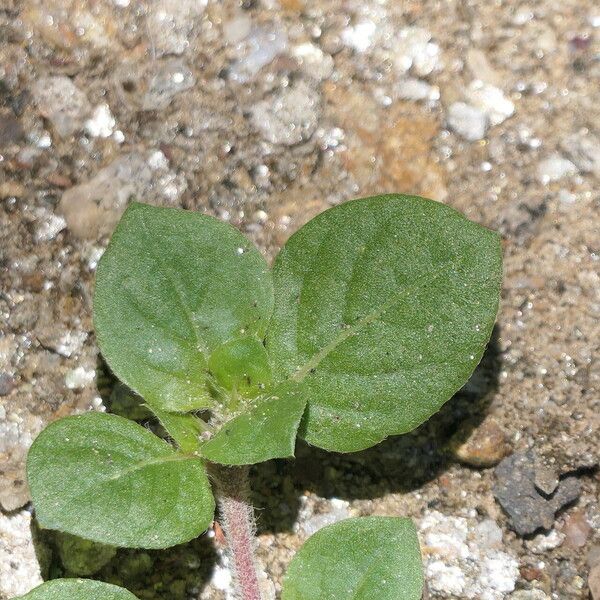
(529, 595)
(222, 578)
(101, 123)
(71, 343)
(314, 62)
(49, 225)
(170, 24)
(291, 117)
(447, 536)
(93, 257)
(340, 510)
(583, 148)
(237, 29)
(445, 578)
(416, 89)
(499, 571)
(360, 36)
(463, 557)
(19, 568)
(416, 51)
(468, 121)
(80, 377)
(61, 102)
(567, 198)
(157, 160)
(543, 542)
(257, 50)
(92, 208)
(487, 534)
(491, 100)
(555, 167)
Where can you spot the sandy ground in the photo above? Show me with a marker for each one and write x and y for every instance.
(265, 113)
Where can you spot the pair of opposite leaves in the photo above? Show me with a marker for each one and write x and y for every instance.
(374, 314)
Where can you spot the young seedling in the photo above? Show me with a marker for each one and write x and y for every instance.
(374, 314)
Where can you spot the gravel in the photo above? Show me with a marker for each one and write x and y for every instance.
(264, 114)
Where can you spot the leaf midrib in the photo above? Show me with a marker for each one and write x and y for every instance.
(351, 330)
(362, 580)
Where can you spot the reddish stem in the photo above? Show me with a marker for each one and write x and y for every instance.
(237, 521)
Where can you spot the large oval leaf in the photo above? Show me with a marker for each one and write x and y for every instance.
(171, 287)
(109, 480)
(367, 558)
(383, 308)
(78, 589)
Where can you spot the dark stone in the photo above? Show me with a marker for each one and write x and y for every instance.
(7, 383)
(11, 131)
(528, 508)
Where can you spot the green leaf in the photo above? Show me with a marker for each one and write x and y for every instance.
(265, 430)
(171, 287)
(78, 589)
(109, 480)
(367, 558)
(383, 308)
(241, 366)
(81, 557)
(184, 428)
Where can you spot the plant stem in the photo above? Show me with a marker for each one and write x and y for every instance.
(237, 520)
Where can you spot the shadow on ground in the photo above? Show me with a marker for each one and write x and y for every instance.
(398, 464)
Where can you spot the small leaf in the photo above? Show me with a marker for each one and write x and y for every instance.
(366, 558)
(171, 287)
(78, 589)
(383, 308)
(82, 557)
(266, 430)
(109, 480)
(241, 366)
(184, 428)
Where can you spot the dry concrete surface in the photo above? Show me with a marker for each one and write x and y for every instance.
(264, 113)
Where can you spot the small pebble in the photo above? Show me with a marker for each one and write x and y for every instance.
(468, 121)
(583, 149)
(480, 444)
(170, 24)
(102, 123)
(554, 168)
(416, 89)
(258, 50)
(515, 490)
(360, 36)
(491, 100)
(167, 79)
(576, 529)
(7, 384)
(11, 130)
(61, 102)
(416, 52)
(544, 542)
(80, 377)
(528, 595)
(290, 117)
(594, 582)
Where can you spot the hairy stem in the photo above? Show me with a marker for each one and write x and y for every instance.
(237, 520)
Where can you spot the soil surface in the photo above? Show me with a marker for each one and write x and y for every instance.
(264, 113)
